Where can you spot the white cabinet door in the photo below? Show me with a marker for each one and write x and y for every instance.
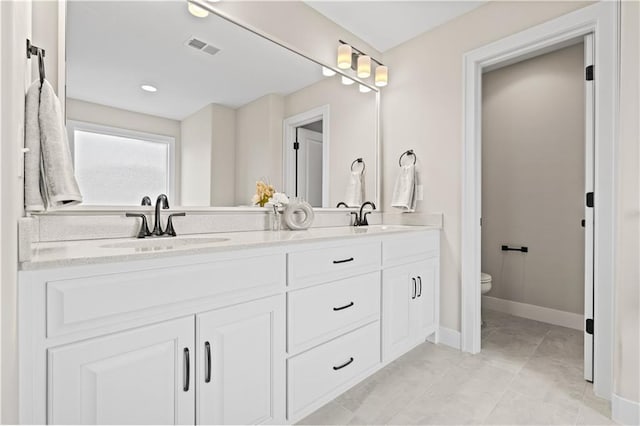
(425, 307)
(398, 295)
(142, 376)
(241, 364)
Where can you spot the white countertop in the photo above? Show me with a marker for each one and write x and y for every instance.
(73, 253)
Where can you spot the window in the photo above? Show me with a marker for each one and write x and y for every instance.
(119, 167)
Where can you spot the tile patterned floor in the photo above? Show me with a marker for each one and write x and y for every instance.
(527, 373)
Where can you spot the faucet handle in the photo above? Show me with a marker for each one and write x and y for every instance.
(170, 229)
(356, 220)
(144, 227)
(365, 222)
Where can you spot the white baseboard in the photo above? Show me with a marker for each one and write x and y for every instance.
(449, 337)
(625, 411)
(537, 313)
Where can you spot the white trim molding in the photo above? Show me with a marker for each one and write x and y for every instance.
(601, 20)
(625, 411)
(448, 337)
(534, 312)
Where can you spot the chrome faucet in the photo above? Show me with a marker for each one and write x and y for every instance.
(146, 201)
(157, 227)
(361, 219)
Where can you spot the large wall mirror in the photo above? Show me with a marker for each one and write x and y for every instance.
(161, 101)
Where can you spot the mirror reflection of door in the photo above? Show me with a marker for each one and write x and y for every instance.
(309, 170)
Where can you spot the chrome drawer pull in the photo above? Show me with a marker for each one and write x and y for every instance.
(207, 366)
(343, 307)
(336, 368)
(419, 286)
(335, 262)
(187, 370)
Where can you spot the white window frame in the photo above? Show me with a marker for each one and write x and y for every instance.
(73, 125)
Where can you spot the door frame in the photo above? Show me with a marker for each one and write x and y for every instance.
(288, 137)
(602, 20)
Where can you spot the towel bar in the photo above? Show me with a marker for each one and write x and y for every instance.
(359, 160)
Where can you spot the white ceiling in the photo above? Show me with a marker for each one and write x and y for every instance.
(115, 46)
(386, 24)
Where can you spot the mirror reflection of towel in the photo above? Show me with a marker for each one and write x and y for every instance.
(404, 191)
(48, 167)
(355, 190)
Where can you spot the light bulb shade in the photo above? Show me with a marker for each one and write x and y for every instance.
(364, 89)
(196, 10)
(344, 56)
(328, 72)
(347, 81)
(382, 76)
(364, 66)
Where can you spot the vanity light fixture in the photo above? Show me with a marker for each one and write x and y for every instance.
(364, 66)
(364, 89)
(328, 72)
(347, 81)
(344, 56)
(196, 10)
(149, 88)
(360, 62)
(382, 76)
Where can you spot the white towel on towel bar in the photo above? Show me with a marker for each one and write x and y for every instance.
(404, 191)
(355, 189)
(49, 179)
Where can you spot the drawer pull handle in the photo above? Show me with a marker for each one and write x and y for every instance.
(338, 367)
(343, 307)
(335, 262)
(207, 366)
(414, 290)
(187, 370)
(419, 286)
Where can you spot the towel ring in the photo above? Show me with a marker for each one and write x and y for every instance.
(359, 160)
(408, 152)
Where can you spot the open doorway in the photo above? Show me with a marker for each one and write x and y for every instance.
(306, 153)
(537, 226)
(598, 19)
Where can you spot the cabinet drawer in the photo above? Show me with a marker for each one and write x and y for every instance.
(332, 263)
(89, 302)
(316, 375)
(322, 312)
(408, 248)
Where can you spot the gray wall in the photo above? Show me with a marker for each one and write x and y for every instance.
(533, 179)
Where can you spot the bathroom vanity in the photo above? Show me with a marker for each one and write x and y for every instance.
(237, 328)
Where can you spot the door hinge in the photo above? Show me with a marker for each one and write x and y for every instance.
(588, 72)
(296, 145)
(589, 199)
(589, 326)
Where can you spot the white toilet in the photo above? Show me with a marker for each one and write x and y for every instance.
(485, 282)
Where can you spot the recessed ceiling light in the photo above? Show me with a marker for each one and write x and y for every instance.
(328, 72)
(197, 11)
(149, 88)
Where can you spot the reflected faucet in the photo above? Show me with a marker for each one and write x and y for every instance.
(146, 201)
(341, 203)
(157, 227)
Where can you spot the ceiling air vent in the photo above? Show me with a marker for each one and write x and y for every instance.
(201, 46)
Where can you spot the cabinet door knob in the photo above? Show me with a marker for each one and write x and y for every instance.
(338, 367)
(419, 286)
(414, 290)
(187, 370)
(207, 365)
(335, 262)
(344, 307)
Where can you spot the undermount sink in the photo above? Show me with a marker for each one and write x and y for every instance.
(166, 243)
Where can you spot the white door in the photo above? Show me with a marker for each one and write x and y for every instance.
(142, 376)
(398, 294)
(310, 166)
(241, 364)
(588, 213)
